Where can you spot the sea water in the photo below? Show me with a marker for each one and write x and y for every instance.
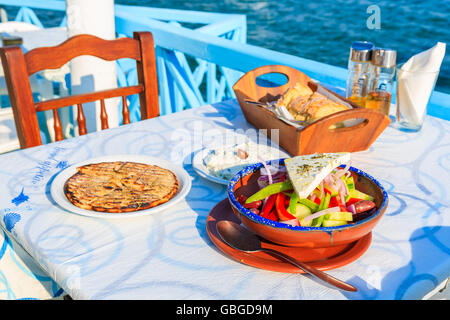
(324, 30)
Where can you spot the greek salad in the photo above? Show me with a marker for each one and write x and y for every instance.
(333, 201)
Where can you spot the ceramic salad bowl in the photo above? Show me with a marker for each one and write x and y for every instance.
(245, 183)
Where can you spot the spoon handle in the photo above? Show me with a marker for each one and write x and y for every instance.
(256, 102)
(313, 271)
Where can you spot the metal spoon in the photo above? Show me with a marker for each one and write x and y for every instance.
(242, 239)
(257, 103)
(295, 123)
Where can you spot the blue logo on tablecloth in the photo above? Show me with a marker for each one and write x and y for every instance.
(62, 165)
(21, 198)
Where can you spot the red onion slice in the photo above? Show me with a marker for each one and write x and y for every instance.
(268, 173)
(328, 180)
(341, 172)
(272, 169)
(342, 196)
(342, 188)
(312, 197)
(263, 181)
(321, 190)
(321, 213)
(351, 208)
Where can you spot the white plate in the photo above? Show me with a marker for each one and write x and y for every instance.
(57, 186)
(199, 167)
(202, 170)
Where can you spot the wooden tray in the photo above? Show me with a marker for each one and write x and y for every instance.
(316, 137)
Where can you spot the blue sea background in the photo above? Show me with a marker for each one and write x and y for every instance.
(324, 30)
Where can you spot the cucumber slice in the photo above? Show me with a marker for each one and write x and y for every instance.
(343, 216)
(317, 222)
(310, 204)
(327, 201)
(333, 223)
(301, 211)
(360, 195)
(305, 224)
(344, 179)
(350, 183)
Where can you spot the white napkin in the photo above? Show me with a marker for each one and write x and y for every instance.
(284, 115)
(414, 89)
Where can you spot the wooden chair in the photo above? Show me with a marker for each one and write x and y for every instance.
(18, 67)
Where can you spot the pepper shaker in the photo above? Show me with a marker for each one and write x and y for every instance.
(380, 93)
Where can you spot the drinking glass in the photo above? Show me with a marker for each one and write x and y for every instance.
(414, 89)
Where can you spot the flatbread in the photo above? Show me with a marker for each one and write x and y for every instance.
(305, 105)
(320, 106)
(120, 186)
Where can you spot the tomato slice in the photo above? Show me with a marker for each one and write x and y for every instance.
(334, 202)
(352, 201)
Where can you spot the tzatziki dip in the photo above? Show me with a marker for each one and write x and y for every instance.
(224, 162)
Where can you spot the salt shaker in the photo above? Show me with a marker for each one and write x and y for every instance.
(380, 93)
(359, 71)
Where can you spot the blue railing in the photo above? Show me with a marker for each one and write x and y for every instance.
(186, 81)
(197, 66)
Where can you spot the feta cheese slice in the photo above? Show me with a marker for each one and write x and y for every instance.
(307, 171)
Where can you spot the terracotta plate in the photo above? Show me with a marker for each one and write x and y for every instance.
(321, 258)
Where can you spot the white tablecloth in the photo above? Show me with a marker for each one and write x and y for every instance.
(168, 255)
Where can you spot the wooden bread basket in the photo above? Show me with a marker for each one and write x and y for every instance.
(317, 136)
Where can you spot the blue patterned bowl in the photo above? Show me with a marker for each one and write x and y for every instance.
(245, 183)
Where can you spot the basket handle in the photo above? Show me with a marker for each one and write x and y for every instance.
(248, 81)
(274, 69)
(372, 124)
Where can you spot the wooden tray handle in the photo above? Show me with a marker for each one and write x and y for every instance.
(371, 118)
(319, 136)
(247, 83)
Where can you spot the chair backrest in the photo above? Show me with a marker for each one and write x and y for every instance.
(18, 67)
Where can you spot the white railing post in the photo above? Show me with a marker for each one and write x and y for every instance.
(90, 73)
